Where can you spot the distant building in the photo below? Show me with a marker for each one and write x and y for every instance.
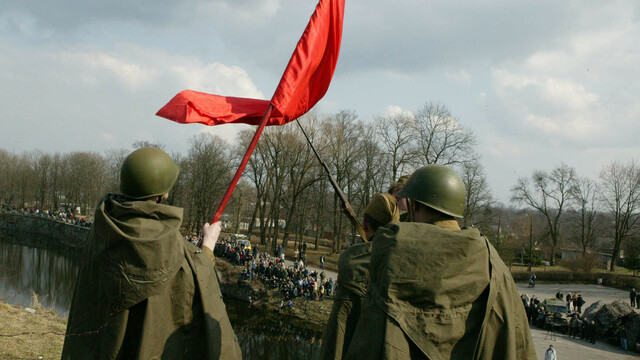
(602, 249)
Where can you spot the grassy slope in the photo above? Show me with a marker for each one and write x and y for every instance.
(32, 343)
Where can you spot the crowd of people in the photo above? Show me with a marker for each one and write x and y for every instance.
(578, 325)
(294, 281)
(58, 215)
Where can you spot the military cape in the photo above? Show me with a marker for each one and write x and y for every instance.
(438, 292)
(143, 292)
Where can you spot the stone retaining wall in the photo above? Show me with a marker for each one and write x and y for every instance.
(62, 233)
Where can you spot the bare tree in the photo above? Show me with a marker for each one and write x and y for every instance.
(114, 158)
(6, 161)
(479, 197)
(207, 173)
(373, 166)
(585, 195)
(42, 169)
(396, 138)
(56, 179)
(621, 195)
(342, 132)
(302, 161)
(549, 194)
(439, 137)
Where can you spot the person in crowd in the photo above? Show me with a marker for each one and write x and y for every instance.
(622, 333)
(573, 326)
(541, 317)
(591, 332)
(330, 286)
(144, 292)
(580, 303)
(428, 269)
(550, 354)
(353, 277)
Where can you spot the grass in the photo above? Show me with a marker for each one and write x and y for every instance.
(26, 335)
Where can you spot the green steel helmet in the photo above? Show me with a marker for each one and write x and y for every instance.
(147, 172)
(438, 187)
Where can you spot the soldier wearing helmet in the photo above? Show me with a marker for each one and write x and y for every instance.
(353, 277)
(394, 189)
(142, 291)
(438, 291)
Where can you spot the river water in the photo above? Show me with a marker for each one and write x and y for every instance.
(46, 272)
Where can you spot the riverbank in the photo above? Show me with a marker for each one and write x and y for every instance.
(33, 332)
(30, 332)
(259, 300)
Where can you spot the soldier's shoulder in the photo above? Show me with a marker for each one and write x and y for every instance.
(355, 251)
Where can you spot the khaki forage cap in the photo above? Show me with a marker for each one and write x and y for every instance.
(383, 208)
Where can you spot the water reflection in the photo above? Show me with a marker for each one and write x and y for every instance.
(50, 271)
(268, 336)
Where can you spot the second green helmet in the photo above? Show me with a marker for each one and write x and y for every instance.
(438, 187)
(148, 172)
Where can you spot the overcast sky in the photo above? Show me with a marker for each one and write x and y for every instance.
(539, 82)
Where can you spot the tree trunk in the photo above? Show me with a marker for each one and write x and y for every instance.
(252, 222)
(616, 251)
(287, 229)
(554, 244)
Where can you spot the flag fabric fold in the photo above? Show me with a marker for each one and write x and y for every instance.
(304, 81)
(190, 106)
(310, 70)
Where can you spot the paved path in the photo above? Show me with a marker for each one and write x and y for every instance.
(576, 349)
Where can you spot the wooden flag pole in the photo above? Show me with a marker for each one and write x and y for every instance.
(243, 164)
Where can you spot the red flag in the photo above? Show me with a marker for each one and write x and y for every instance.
(309, 72)
(304, 82)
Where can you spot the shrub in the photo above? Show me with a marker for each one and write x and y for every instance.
(580, 264)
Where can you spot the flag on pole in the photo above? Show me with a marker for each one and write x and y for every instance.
(304, 81)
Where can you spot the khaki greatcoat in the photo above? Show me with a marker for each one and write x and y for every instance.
(353, 277)
(143, 292)
(438, 292)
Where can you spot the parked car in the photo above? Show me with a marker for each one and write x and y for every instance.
(246, 243)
